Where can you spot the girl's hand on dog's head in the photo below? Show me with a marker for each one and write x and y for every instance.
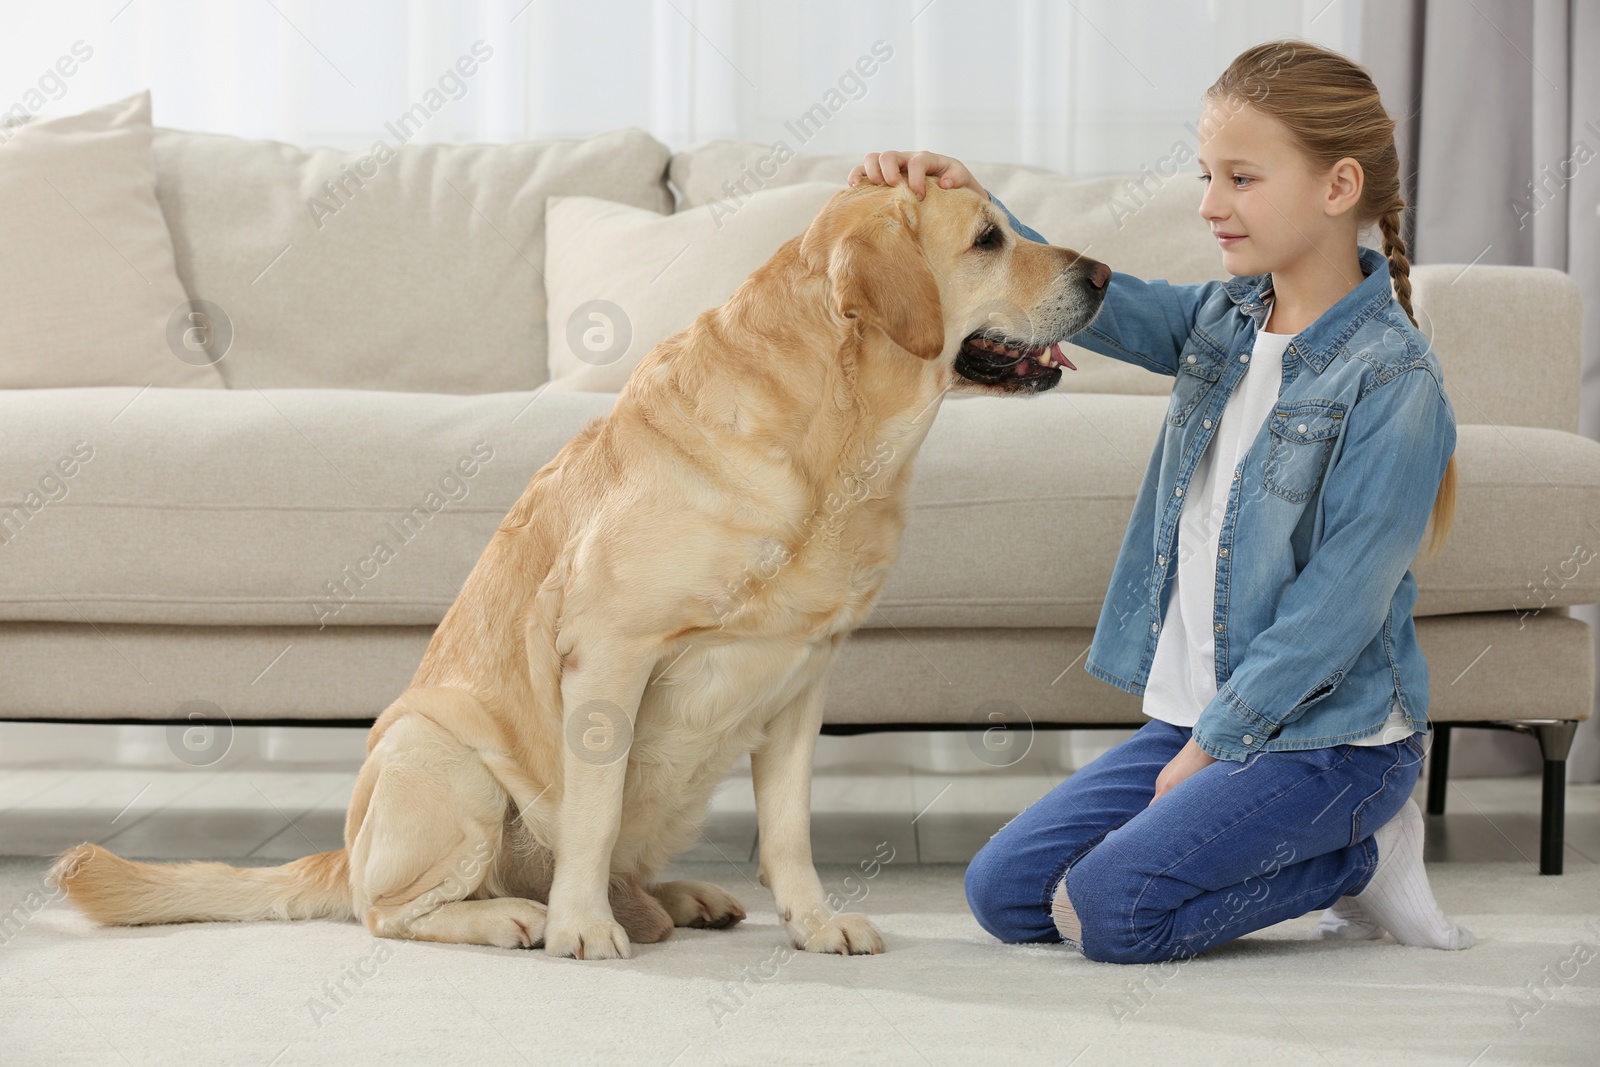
(890, 168)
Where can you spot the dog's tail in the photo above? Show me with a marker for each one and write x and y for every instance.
(119, 892)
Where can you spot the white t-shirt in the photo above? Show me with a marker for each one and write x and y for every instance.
(1183, 674)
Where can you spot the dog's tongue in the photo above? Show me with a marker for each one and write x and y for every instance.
(1055, 350)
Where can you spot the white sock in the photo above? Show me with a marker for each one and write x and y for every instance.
(1347, 920)
(1398, 898)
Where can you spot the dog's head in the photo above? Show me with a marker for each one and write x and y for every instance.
(946, 279)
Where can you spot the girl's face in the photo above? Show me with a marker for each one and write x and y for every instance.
(1263, 203)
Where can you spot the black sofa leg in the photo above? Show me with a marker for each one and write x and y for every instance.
(1438, 768)
(1555, 742)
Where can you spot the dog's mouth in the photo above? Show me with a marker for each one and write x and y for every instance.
(992, 358)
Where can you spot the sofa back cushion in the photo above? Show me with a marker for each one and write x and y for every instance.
(87, 282)
(621, 280)
(401, 267)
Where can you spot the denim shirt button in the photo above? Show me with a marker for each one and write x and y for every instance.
(1219, 627)
(1161, 560)
(1245, 358)
(1301, 428)
(1191, 357)
(1222, 552)
(1236, 475)
(1155, 627)
(1178, 491)
(1248, 739)
(1207, 423)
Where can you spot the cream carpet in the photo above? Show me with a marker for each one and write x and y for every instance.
(944, 993)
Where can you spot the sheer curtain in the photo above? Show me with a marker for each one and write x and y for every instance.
(1080, 86)
(1085, 87)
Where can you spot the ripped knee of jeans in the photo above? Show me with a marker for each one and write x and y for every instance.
(1065, 916)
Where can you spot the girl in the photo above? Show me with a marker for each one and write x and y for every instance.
(1261, 601)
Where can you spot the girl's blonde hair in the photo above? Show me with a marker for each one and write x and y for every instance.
(1331, 108)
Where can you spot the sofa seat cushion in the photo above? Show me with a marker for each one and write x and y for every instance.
(281, 507)
(355, 507)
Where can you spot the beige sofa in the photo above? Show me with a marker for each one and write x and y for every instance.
(224, 548)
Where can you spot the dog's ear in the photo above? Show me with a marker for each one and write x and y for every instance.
(879, 274)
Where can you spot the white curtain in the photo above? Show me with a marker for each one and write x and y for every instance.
(1084, 87)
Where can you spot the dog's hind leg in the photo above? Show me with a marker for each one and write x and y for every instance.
(697, 904)
(639, 912)
(422, 864)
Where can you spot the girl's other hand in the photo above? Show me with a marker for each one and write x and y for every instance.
(1190, 758)
(890, 168)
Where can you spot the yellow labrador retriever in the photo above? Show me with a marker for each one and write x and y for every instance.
(669, 592)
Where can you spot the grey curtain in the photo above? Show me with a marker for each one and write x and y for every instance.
(1498, 104)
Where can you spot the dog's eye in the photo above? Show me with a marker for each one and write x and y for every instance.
(990, 238)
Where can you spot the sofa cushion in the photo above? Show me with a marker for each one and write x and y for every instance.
(314, 506)
(621, 279)
(413, 267)
(352, 507)
(87, 281)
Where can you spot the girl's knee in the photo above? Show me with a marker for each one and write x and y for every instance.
(1105, 904)
(1127, 950)
(1120, 949)
(998, 897)
(983, 887)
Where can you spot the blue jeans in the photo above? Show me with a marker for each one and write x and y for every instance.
(1235, 847)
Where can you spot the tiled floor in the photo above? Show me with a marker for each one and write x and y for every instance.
(270, 811)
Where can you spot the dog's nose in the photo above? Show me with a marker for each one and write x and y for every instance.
(1099, 275)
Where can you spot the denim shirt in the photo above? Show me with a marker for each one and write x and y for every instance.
(1314, 637)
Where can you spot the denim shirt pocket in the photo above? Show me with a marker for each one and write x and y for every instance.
(1198, 373)
(1303, 435)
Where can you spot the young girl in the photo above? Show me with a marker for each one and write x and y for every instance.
(1261, 601)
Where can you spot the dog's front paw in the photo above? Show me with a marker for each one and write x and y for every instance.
(587, 939)
(849, 934)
